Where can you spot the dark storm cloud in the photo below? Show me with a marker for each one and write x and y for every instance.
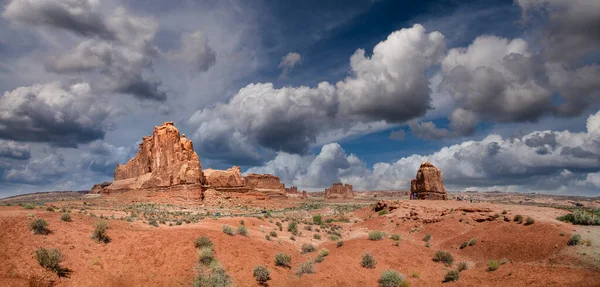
(14, 150)
(577, 152)
(538, 140)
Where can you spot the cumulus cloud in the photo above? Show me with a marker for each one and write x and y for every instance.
(390, 86)
(14, 150)
(54, 113)
(288, 62)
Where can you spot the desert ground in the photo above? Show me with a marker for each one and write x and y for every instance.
(152, 240)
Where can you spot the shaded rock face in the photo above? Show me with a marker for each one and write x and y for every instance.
(264, 181)
(339, 191)
(231, 177)
(165, 158)
(293, 192)
(428, 183)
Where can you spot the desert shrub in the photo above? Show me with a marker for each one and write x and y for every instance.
(50, 208)
(427, 244)
(242, 230)
(382, 212)
(99, 233)
(504, 211)
(580, 217)
(215, 276)
(305, 268)
(464, 245)
(529, 221)
(207, 255)
(228, 230)
(283, 259)
(261, 274)
(427, 237)
(203, 241)
(50, 259)
(308, 227)
(340, 243)
(574, 240)
(518, 218)
(152, 221)
(273, 233)
(307, 248)
(375, 235)
(504, 261)
(334, 237)
(293, 227)
(267, 237)
(462, 266)
(443, 256)
(324, 252)
(390, 278)
(39, 226)
(415, 275)
(66, 217)
(368, 261)
(316, 236)
(473, 241)
(242, 222)
(396, 237)
(318, 219)
(451, 276)
(493, 265)
(319, 259)
(293, 238)
(28, 206)
(178, 222)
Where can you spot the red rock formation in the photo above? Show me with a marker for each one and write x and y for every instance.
(231, 177)
(165, 158)
(339, 191)
(293, 192)
(264, 181)
(428, 184)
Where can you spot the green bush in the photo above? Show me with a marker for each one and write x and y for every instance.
(228, 230)
(267, 237)
(99, 233)
(580, 217)
(293, 227)
(427, 237)
(50, 208)
(443, 256)
(324, 252)
(518, 218)
(316, 236)
(215, 276)
(382, 212)
(376, 235)
(283, 259)
(66, 217)
(464, 245)
(391, 278)
(273, 233)
(50, 259)
(203, 241)
(28, 206)
(396, 237)
(574, 240)
(293, 238)
(319, 259)
(340, 243)
(242, 230)
(504, 211)
(261, 274)
(39, 226)
(462, 266)
(334, 237)
(318, 219)
(207, 255)
(152, 221)
(473, 241)
(368, 261)
(493, 265)
(451, 276)
(529, 221)
(307, 248)
(305, 268)
(242, 222)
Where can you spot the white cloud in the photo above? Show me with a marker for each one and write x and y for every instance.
(288, 62)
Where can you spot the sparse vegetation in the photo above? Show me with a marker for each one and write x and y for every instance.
(334, 237)
(283, 259)
(340, 243)
(305, 268)
(318, 219)
(99, 233)
(504, 211)
(391, 278)
(203, 241)
(396, 237)
(574, 240)
(317, 236)
(518, 218)
(443, 256)
(273, 233)
(376, 235)
(66, 217)
(267, 237)
(581, 217)
(368, 261)
(261, 274)
(462, 266)
(529, 221)
(242, 230)
(307, 248)
(415, 275)
(39, 226)
(207, 255)
(493, 265)
(427, 237)
(382, 212)
(228, 230)
(28, 206)
(293, 227)
(50, 259)
(324, 252)
(473, 241)
(152, 221)
(464, 245)
(215, 275)
(451, 276)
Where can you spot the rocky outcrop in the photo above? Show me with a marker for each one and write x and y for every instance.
(339, 191)
(293, 192)
(231, 177)
(428, 183)
(165, 158)
(264, 181)
(100, 187)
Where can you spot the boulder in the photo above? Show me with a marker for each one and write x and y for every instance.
(231, 177)
(428, 183)
(165, 158)
(339, 191)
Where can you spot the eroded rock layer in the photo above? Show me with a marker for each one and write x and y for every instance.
(428, 183)
(339, 191)
(231, 177)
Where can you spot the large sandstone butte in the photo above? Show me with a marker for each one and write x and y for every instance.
(339, 191)
(428, 184)
(231, 177)
(165, 158)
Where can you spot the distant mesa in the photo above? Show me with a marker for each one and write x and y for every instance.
(293, 192)
(339, 191)
(428, 183)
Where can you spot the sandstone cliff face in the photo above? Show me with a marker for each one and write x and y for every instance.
(428, 183)
(264, 181)
(231, 177)
(339, 191)
(165, 158)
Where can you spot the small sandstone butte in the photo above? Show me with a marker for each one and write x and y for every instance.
(264, 181)
(339, 191)
(164, 159)
(428, 184)
(231, 177)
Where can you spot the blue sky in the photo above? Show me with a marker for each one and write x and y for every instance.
(502, 95)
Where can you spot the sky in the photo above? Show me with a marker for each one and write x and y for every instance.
(500, 95)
